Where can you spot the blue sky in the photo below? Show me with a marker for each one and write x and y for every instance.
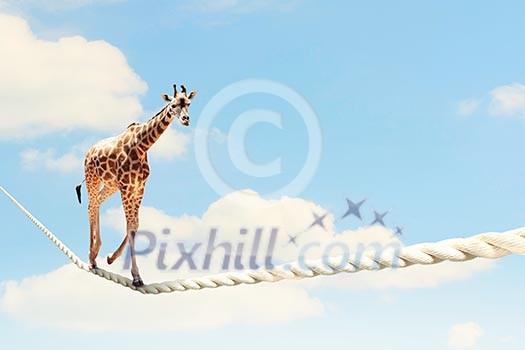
(421, 108)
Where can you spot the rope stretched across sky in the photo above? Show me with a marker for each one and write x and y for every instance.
(486, 245)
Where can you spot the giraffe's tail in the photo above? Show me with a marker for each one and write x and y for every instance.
(78, 189)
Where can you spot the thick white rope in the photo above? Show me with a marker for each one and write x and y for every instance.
(486, 245)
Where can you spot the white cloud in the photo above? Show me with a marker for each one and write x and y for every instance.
(74, 304)
(170, 145)
(508, 100)
(418, 276)
(246, 209)
(218, 135)
(33, 159)
(468, 106)
(291, 215)
(214, 134)
(50, 160)
(50, 86)
(70, 299)
(464, 335)
(71, 83)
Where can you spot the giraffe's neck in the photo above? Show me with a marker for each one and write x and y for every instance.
(152, 129)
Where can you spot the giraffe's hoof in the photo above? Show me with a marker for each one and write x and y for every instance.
(109, 260)
(93, 264)
(137, 282)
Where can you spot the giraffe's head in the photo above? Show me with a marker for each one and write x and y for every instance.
(179, 103)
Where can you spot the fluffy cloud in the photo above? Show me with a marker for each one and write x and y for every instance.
(171, 144)
(50, 86)
(502, 101)
(464, 335)
(214, 134)
(69, 299)
(246, 209)
(508, 100)
(75, 305)
(72, 83)
(468, 106)
(418, 276)
(33, 159)
(51, 160)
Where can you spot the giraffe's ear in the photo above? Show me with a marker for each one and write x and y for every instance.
(167, 97)
(192, 94)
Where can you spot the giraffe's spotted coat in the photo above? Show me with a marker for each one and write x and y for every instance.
(120, 163)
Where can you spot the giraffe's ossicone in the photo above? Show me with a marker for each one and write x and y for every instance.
(120, 163)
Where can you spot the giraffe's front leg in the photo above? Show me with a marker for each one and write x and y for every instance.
(137, 280)
(131, 204)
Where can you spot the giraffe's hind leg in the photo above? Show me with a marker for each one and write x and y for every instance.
(96, 197)
(93, 188)
(106, 192)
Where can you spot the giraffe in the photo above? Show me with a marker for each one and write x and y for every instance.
(120, 163)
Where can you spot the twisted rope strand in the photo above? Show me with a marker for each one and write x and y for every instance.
(491, 245)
